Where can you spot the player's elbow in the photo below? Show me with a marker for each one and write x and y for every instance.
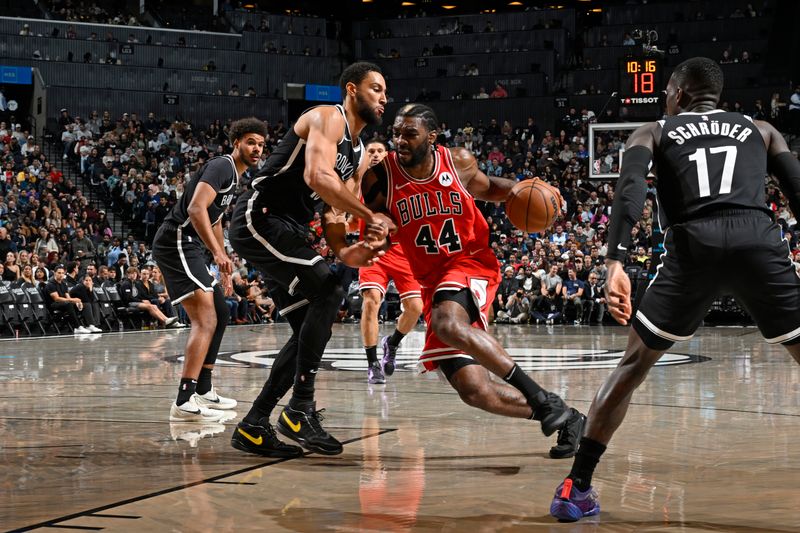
(194, 211)
(316, 178)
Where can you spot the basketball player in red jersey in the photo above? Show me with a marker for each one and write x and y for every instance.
(372, 282)
(429, 192)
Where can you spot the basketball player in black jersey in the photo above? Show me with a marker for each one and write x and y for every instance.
(320, 160)
(190, 228)
(719, 236)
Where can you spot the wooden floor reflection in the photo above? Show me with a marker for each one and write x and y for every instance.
(709, 444)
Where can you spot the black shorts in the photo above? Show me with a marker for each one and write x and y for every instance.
(737, 252)
(182, 260)
(277, 246)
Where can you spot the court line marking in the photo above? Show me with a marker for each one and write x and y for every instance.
(135, 499)
(126, 516)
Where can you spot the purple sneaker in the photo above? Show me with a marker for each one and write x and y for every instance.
(570, 505)
(375, 374)
(389, 353)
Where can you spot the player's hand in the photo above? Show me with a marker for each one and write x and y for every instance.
(378, 227)
(227, 284)
(618, 292)
(224, 263)
(359, 255)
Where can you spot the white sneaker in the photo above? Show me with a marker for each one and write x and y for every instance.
(192, 433)
(191, 412)
(172, 322)
(80, 330)
(94, 329)
(212, 400)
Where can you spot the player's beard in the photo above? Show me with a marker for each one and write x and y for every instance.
(417, 155)
(366, 113)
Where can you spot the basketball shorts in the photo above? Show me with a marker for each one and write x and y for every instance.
(392, 266)
(277, 246)
(737, 252)
(480, 274)
(183, 262)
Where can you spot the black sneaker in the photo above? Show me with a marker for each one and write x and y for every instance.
(552, 412)
(300, 421)
(261, 439)
(569, 436)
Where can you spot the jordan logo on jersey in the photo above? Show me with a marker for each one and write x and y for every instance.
(423, 205)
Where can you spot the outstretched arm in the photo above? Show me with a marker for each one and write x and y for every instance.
(626, 211)
(782, 164)
(479, 185)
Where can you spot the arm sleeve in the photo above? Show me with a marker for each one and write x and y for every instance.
(628, 200)
(786, 168)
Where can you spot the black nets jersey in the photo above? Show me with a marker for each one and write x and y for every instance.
(220, 173)
(709, 161)
(279, 185)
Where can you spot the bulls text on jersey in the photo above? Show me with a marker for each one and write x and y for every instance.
(421, 205)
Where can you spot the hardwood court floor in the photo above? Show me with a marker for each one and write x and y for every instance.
(709, 445)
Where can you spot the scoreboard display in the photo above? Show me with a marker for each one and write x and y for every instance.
(640, 79)
(641, 86)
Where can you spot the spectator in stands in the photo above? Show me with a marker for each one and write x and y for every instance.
(155, 297)
(133, 294)
(11, 270)
(240, 293)
(258, 298)
(482, 94)
(572, 294)
(82, 248)
(26, 276)
(627, 40)
(552, 285)
(595, 300)
(67, 139)
(726, 57)
(57, 293)
(499, 91)
(508, 285)
(83, 291)
(794, 111)
(517, 307)
(120, 267)
(6, 244)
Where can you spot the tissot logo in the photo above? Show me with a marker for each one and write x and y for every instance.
(639, 100)
(528, 359)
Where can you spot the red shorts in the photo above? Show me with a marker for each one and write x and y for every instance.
(480, 273)
(393, 265)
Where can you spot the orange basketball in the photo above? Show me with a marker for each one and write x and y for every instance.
(533, 205)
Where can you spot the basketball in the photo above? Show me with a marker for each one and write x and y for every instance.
(533, 205)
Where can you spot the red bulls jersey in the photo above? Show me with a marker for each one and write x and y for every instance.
(436, 217)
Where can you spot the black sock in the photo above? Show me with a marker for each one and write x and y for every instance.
(395, 338)
(521, 381)
(372, 354)
(204, 381)
(187, 387)
(586, 460)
